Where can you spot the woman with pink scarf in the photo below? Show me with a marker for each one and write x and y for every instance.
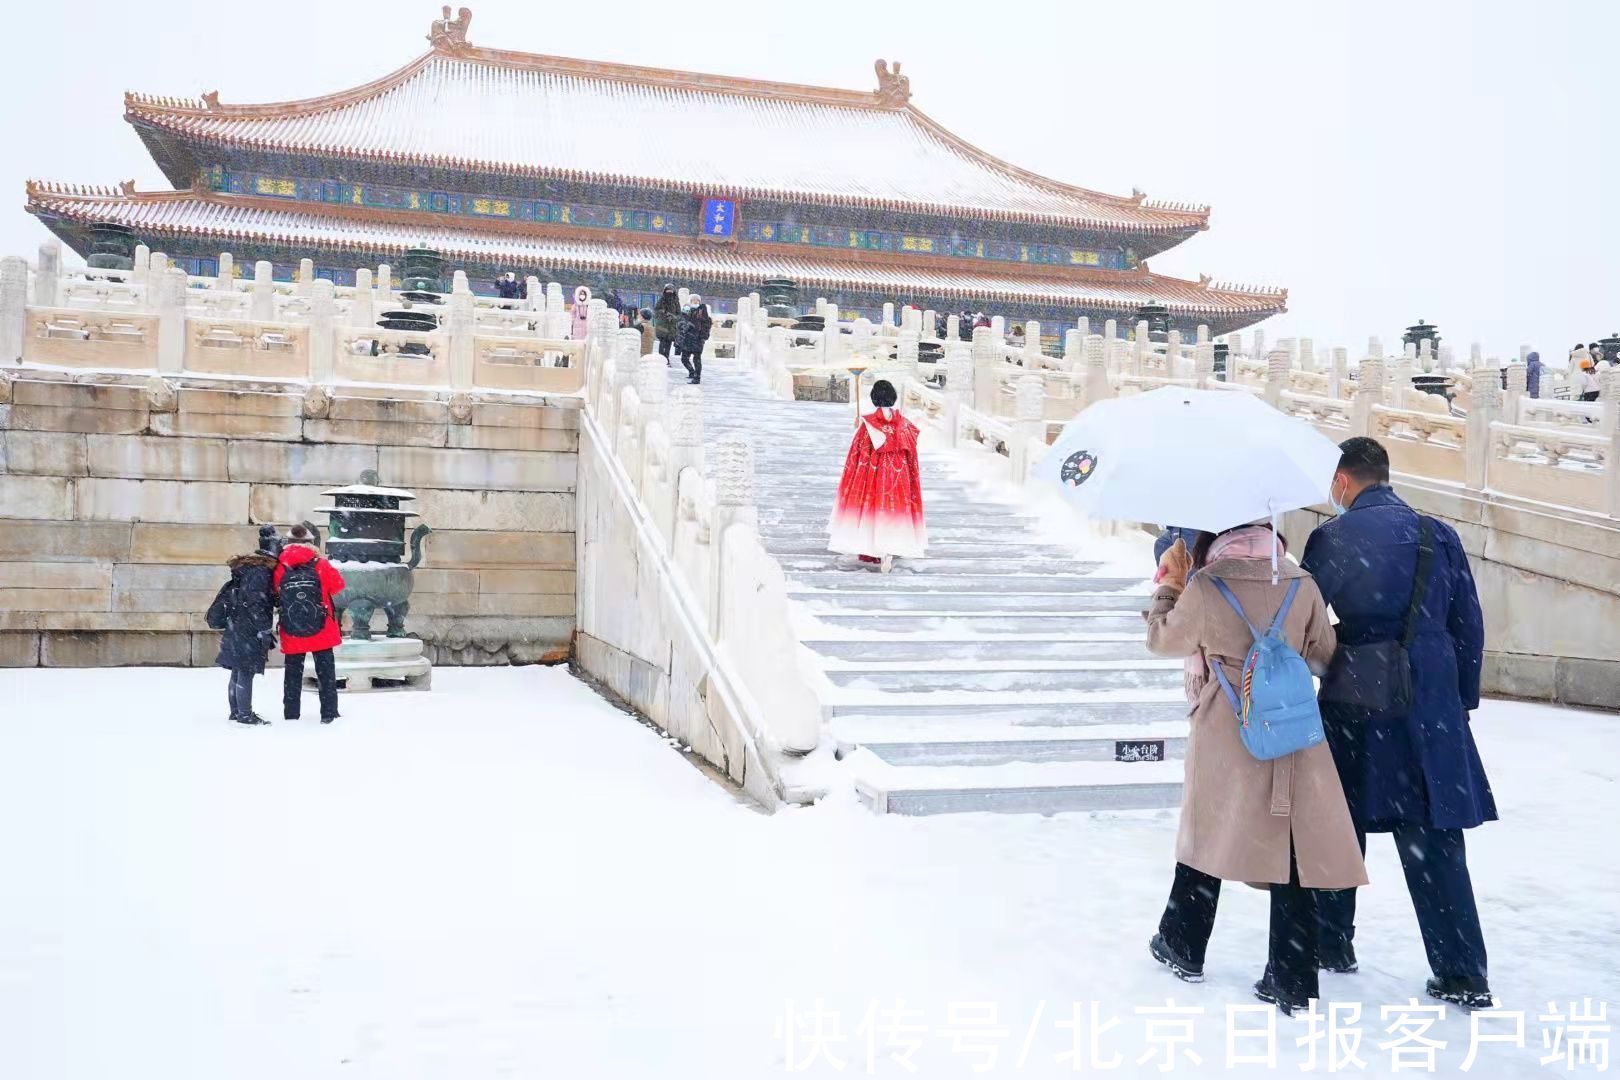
(1281, 825)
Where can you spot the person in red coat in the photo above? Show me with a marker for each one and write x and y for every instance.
(879, 512)
(305, 584)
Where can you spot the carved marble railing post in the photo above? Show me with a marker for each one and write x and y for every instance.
(1110, 331)
(1234, 347)
(1339, 377)
(1029, 425)
(225, 275)
(361, 310)
(861, 333)
(1401, 377)
(1032, 343)
(906, 352)
(1518, 389)
(987, 365)
(384, 287)
(1476, 356)
(1204, 364)
(930, 325)
(1425, 356)
(623, 370)
(684, 424)
(832, 337)
(953, 328)
(556, 320)
(1485, 408)
(1073, 351)
(1201, 337)
(13, 307)
(732, 469)
(960, 376)
(306, 277)
(762, 335)
(1172, 356)
(1369, 393)
(686, 431)
(1144, 347)
(998, 328)
(463, 332)
(323, 330)
(1307, 354)
(48, 274)
(157, 266)
(1609, 394)
(171, 311)
(1278, 364)
(888, 314)
(263, 307)
(1258, 352)
(142, 266)
(1097, 387)
(1446, 360)
(534, 299)
(1083, 325)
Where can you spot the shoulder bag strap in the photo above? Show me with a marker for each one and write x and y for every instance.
(1420, 583)
(1237, 607)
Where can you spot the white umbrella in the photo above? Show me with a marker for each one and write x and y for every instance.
(1204, 459)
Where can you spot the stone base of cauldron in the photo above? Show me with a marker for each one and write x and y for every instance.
(380, 664)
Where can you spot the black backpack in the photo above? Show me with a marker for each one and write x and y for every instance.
(303, 613)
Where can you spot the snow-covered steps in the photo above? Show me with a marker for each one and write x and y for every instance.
(1004, 647)
(1043, 788)
(1003, 672)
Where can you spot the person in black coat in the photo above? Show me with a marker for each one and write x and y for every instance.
(667, 320)
(243, 609)
(1407, 759)
(691, 334)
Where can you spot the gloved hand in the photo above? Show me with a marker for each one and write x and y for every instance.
(267, 639)
(1174, 566)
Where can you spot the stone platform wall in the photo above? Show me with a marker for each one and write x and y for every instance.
(122, 497)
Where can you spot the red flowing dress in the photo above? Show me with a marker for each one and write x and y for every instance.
(879, 509)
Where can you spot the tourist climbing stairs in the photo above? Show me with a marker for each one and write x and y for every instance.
(1000, 673)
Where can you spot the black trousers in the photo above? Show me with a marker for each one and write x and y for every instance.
(292, 687)
(664, 346)
(1291, 957)
(239, 692)
(1435, 862)
(693, 363)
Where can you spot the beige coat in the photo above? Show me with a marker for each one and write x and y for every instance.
(1236, 812)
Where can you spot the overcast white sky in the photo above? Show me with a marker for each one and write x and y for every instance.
(1383, 160)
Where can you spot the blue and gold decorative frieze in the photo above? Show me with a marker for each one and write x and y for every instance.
(590, 213)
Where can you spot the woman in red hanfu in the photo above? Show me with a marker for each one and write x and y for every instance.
(879, 513)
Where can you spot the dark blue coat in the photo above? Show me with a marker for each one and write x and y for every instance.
(1422, 766)
(243, 610)
(1168, 538)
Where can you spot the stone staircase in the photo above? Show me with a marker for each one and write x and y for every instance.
(1000, 673)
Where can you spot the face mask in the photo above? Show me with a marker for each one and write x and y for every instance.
(1333, 501)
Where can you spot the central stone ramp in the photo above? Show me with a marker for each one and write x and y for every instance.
(1000, 673)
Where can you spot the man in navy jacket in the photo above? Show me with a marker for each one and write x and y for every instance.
(1413, 772)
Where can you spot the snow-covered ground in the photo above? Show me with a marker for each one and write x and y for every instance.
(507, 877)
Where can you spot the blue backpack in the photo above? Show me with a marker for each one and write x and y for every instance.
(1277, 712)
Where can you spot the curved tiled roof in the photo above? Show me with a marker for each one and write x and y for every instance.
(234, 218)
(470, 108)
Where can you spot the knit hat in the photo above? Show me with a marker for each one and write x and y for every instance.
(300, 534)
(269, 542)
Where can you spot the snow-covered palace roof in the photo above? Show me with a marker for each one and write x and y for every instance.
(231, 219)
(478, 109)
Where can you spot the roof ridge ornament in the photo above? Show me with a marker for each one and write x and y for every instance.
(450, 34)
(894, 89)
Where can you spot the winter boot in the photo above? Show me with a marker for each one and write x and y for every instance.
(1464, 991)
(1181, 967)
(250, 718)
(1338, 961)
(1268, 991)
